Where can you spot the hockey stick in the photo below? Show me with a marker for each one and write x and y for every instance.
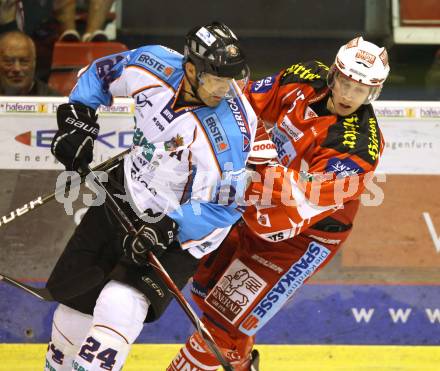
(39, 292)
(65, 290)
(155, 263)
(42, 200)
(68, 289)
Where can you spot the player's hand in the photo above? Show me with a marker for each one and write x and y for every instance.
(155, 233)
(77, 131)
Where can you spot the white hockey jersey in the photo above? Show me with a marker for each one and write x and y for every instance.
(182, 155)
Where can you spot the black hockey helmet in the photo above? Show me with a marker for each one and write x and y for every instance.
(214, 49)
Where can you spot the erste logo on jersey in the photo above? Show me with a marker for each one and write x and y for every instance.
(343, 167)
(235, 291)
(263, 85)
(155, 64)
(216, 133)
(286, 151)
(237, 111)
(283, 290)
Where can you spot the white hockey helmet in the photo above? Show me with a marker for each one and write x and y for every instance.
(364, 62)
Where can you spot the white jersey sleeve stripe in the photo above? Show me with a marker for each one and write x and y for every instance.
(190, 243)
(137, 91)
(144, 70)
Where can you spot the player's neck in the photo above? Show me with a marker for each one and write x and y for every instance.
(187, 94)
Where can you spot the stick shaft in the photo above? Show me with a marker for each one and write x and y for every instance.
(155, 263)
(39, 292)
(43, 200)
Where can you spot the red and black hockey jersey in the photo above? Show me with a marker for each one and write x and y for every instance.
(324, 160)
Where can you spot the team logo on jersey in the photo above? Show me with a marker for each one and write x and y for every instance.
(235, 291)
(142, 100)
(140, 140)
(155, 65)
(286, 286)
(105, 71)
(216, 133)
(173, 143)
(240, 119)
(263, 219)
(343, 167)
(309, 113)
(263, 85)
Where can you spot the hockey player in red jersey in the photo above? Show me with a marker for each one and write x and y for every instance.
(328, 145)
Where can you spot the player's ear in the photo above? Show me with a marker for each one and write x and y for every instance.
(190, 70)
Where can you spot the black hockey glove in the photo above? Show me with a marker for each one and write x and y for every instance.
(77, 131)
(155, 237)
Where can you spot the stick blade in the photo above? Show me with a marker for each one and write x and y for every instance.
(41, 293)
(66, 290)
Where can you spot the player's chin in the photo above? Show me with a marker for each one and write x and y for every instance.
(213, 101)
(345, 109)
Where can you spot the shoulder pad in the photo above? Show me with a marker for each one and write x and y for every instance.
(356, 134)
(313, 73)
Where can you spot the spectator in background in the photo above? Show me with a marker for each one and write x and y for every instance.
(17, 67)
(97, 12)
(11, 15)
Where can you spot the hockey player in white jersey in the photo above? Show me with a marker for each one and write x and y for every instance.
(194, 129)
